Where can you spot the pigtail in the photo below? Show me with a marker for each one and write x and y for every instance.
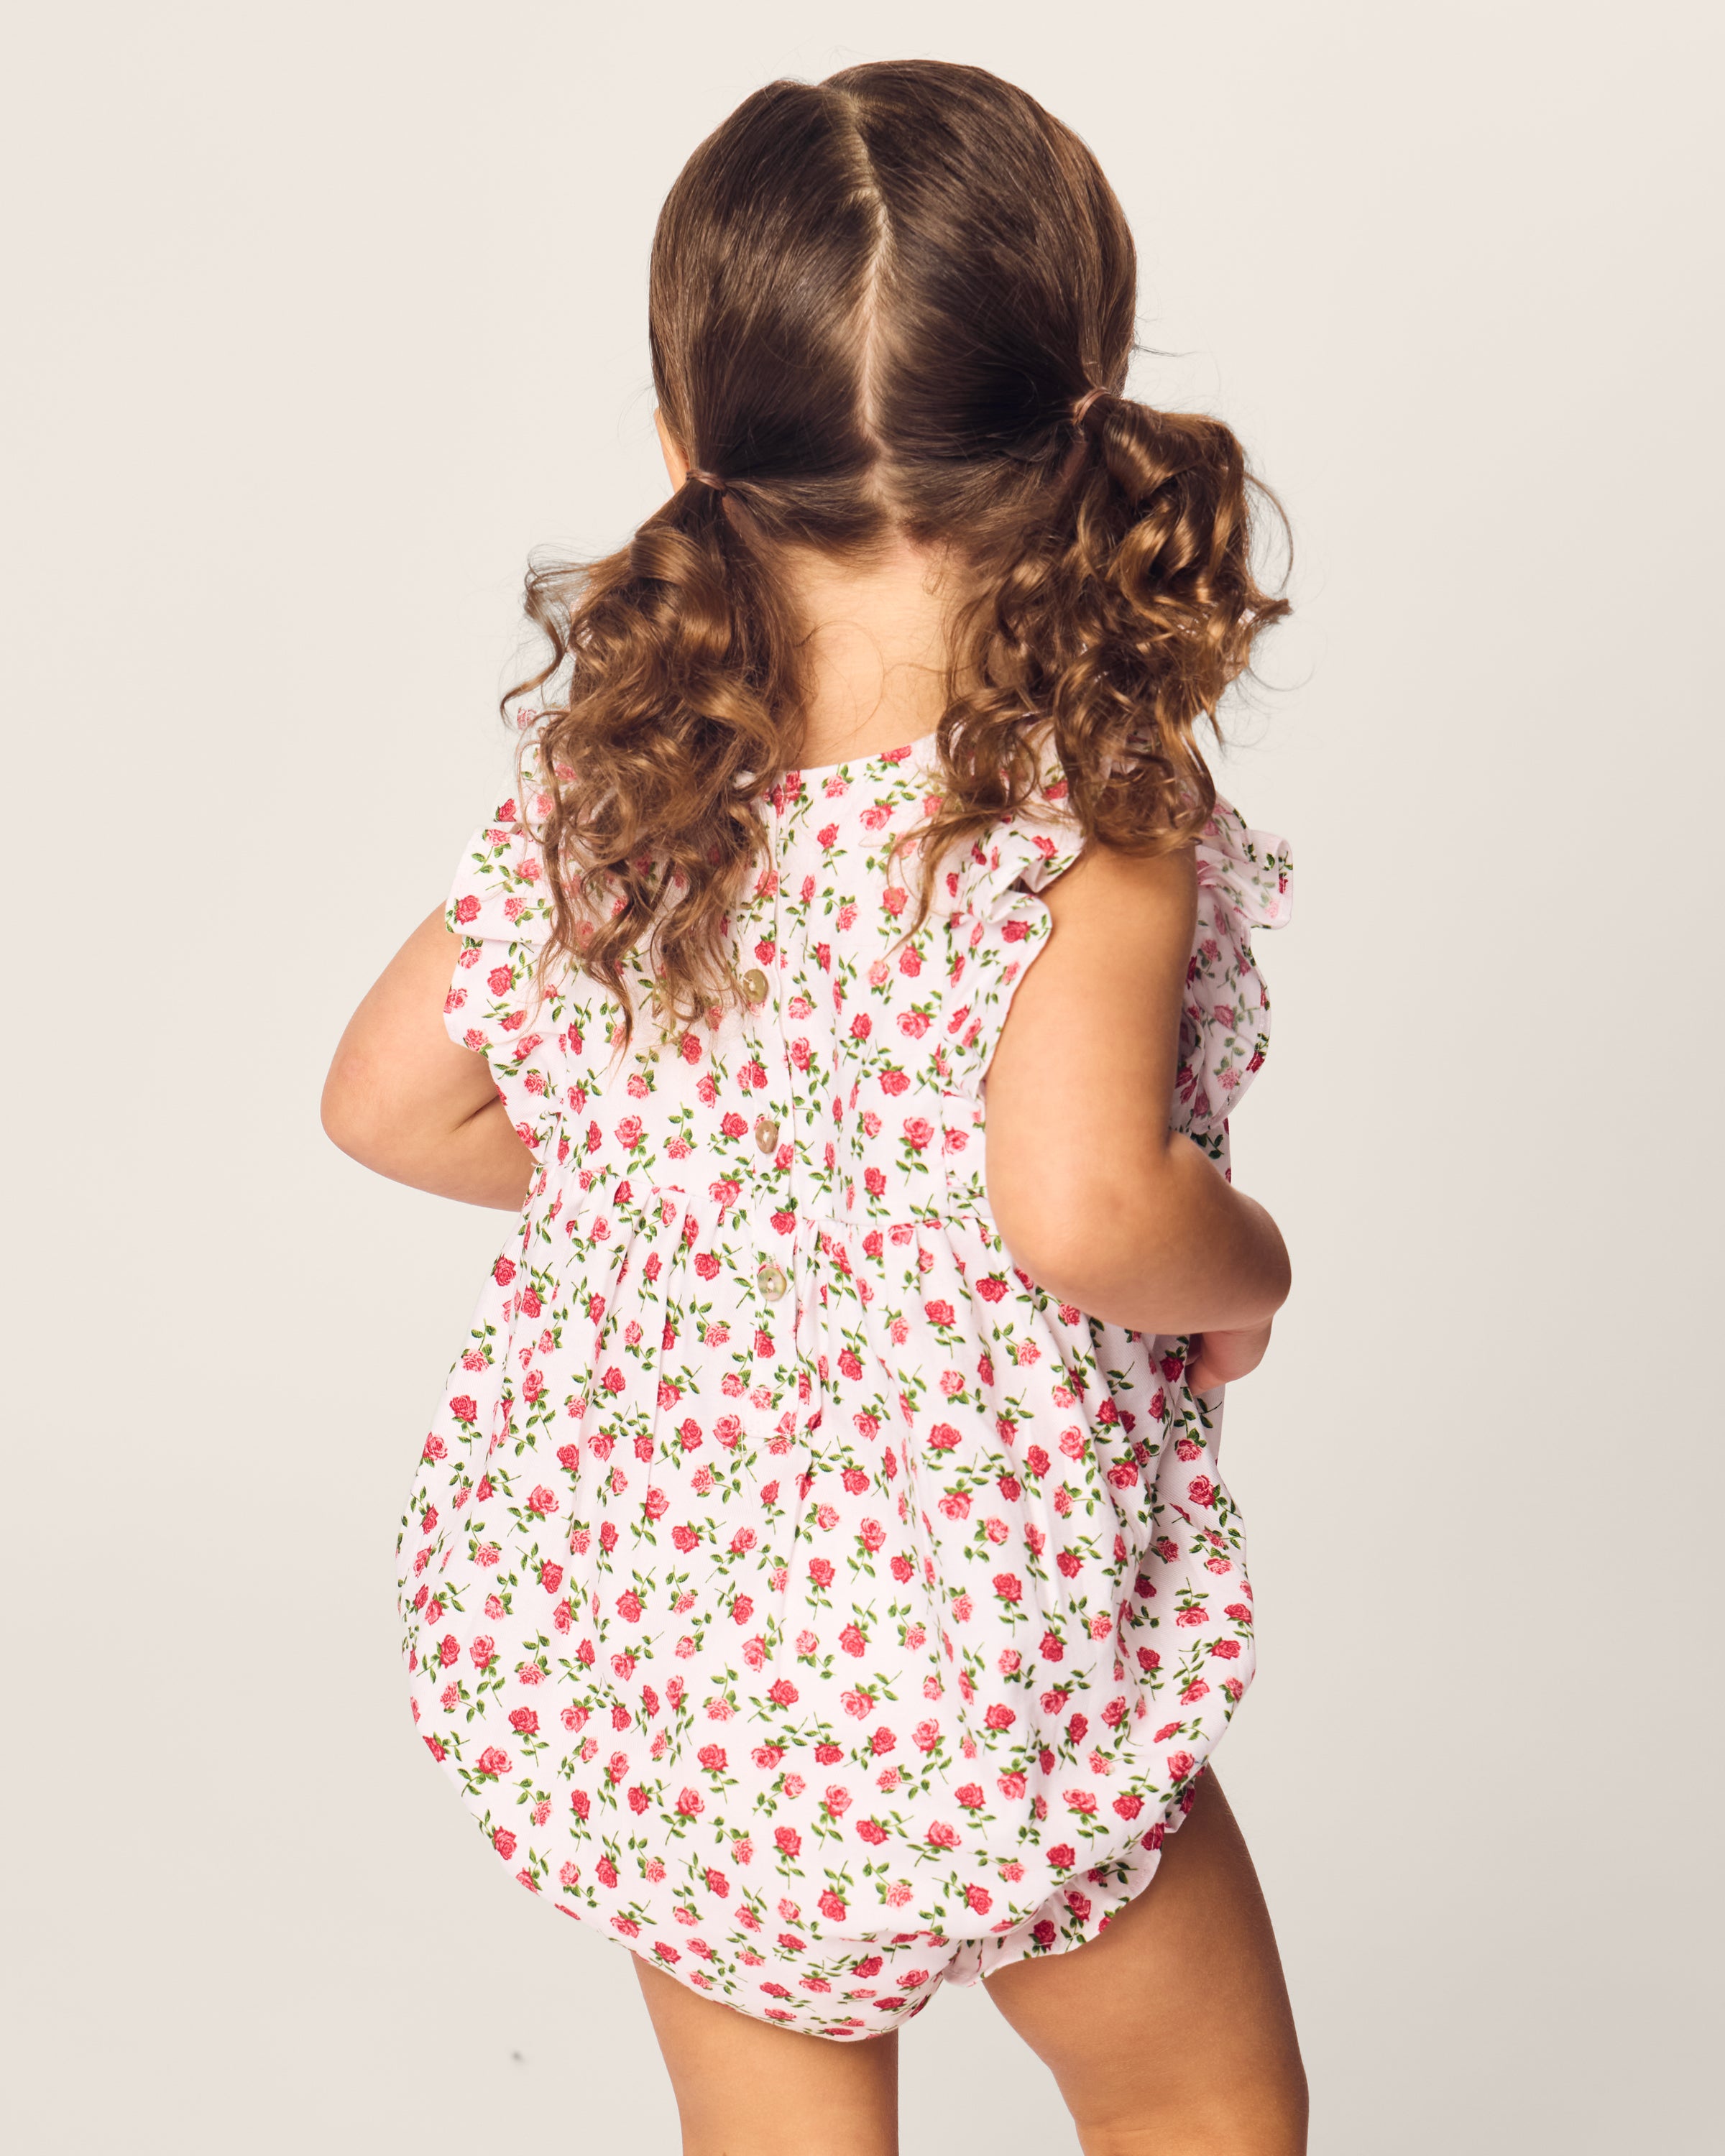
(879, 308)
(1119, 611)
(675, 668)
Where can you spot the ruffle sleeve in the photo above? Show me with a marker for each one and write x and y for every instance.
(498, 905)
(1000, 922)
(1243, 880)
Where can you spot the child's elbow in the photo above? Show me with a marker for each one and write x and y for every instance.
(1084, 1248)
(349, 1109)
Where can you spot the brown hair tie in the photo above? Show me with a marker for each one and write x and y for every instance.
(1082, 406)
(708, 479)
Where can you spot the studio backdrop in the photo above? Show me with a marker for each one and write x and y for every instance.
(322, 319)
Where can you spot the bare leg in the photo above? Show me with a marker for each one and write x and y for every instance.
(745, 2088)
(1170, 2033)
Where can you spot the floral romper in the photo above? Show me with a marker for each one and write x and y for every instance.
(795, 1593)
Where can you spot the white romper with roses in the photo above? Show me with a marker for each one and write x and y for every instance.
(796, 1594)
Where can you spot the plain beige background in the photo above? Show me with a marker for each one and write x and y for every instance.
(321, 317)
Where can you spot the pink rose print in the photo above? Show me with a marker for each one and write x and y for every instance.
(753, 1621)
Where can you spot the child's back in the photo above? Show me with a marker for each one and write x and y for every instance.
(819, 1577)
(779, 1542)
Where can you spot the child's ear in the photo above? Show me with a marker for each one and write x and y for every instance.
(676, 465)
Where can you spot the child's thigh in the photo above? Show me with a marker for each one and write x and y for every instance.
(746, 2088)
(1172, 2028)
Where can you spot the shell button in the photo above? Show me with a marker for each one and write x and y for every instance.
(766, 1133)
(772, 1279)
(754, 985)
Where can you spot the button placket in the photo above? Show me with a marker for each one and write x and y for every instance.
(777, 1269)
(771, 1278)
(779, 1134)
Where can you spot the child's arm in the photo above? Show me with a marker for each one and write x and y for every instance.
(401, 1098)
(1217, 1358)
(1099, 1201)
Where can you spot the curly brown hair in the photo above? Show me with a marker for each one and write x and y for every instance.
(896, 305)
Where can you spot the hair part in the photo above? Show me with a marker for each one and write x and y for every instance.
(876, 304)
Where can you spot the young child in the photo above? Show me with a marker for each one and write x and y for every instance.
(819, 1577)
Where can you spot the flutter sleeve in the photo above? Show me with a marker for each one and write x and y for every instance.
(1243, 885)
(498, 905)
(998, 923)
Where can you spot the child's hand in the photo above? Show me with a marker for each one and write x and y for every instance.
(1216, 1358)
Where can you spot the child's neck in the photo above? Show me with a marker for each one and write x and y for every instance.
(879, 636)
